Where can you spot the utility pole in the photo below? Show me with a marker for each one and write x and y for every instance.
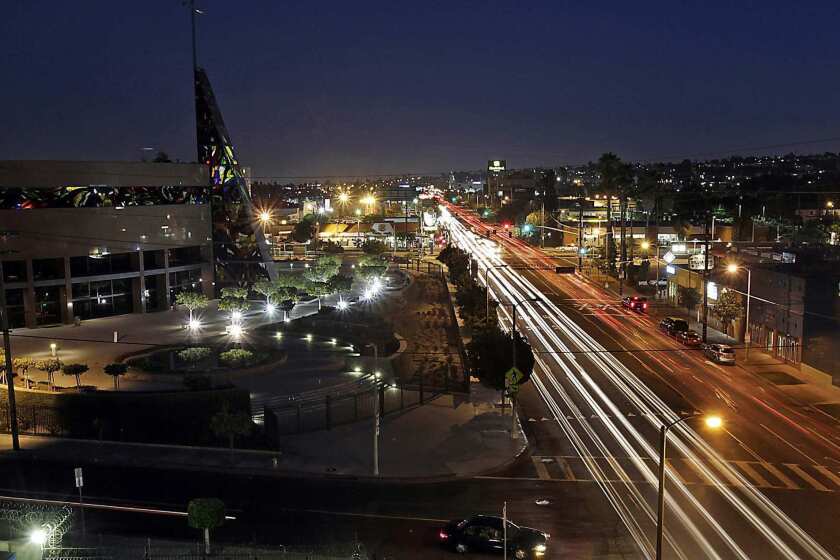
(7, 347)
(542, 221)
(705, 277)
(580, 232)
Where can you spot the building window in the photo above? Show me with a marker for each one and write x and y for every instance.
(47, 310)
(47, 269)
(14, 271)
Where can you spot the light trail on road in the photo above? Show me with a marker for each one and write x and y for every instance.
(590, 394)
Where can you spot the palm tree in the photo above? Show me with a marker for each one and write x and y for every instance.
(614, 176)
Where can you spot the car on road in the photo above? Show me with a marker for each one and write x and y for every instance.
(635, 303)
(689, 338)
(720, 353)
(673, 325)
(483, 533)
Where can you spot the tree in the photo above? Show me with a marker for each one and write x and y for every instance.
(115, 370)
(324, 268)
(229, 425)
(266, 288)
(162, 157)
(727, 308)
(370, 267)
(76, 370)
(374, 247)
(50, 366)
(206, 514)
(614, 176)
(339, 283)
(21, 366)
(489, 355)
(235, 292)
(193, 301)
(331, 247)
(304, 230)
(688, 297)
(234, 305)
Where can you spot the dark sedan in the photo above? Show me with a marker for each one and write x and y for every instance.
(483, 533)
(689, 338)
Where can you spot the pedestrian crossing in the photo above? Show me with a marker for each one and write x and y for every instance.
(758, 474)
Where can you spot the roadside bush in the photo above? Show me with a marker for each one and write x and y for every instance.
(194, 355)
(237, 357)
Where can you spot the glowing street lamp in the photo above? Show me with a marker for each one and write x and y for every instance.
(733, 268)
(645, 245)
(265, 217)
(713, 422)
(343, 198)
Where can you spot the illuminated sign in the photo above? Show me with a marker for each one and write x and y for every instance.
(670, 269)
(712, 290)
(668, 257)
(678, 247)
(496, 165)
(697, 262)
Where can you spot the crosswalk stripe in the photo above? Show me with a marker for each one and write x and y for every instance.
(541, 469)
(567, 469)
(747, 468)
(781, 476)
(828, 473)
(807, 477)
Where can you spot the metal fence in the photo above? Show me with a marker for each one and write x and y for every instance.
(355, 551)
(332, 410)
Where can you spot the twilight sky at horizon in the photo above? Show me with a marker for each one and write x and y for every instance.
(337, 88)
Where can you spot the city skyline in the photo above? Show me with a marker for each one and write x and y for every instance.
(340, 91)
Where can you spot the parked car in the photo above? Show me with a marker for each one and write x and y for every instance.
(635, 303)
(720, 353)
(483, 533)
(673, 325)
(689, 338)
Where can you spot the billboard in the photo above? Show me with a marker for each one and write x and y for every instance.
(697, 262)
(496, 165)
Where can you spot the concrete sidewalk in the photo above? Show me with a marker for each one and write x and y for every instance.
(449, 437)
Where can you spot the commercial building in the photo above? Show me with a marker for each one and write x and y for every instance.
(92, 239)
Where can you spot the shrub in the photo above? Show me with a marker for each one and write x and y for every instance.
(237, 357)
(194, 355)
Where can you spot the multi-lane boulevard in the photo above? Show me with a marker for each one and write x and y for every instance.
(763, 486)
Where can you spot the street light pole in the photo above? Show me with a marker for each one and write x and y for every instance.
(10, 379)
(712, 422)
(487, 289)
(747, 336)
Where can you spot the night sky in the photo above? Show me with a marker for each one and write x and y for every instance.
(341, 88)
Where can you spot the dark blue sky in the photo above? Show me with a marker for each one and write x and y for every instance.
(313, 88)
